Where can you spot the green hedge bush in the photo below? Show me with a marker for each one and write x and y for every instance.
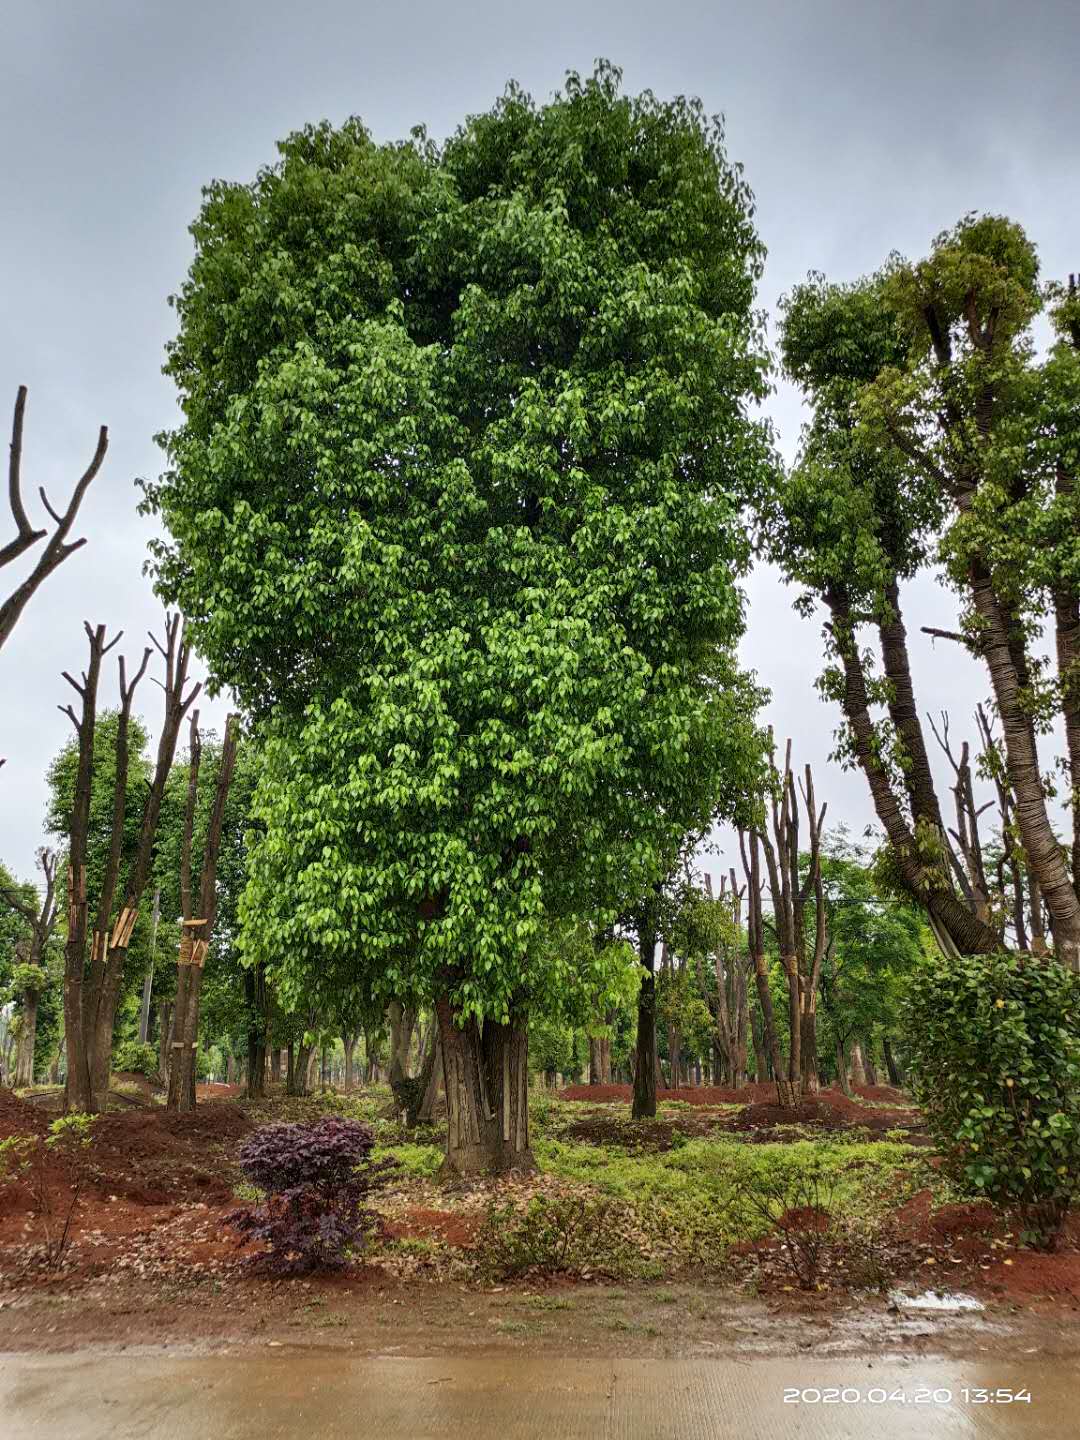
(995, 1059)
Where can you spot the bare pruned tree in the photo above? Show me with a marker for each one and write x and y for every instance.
(58, 547)
(91, 994)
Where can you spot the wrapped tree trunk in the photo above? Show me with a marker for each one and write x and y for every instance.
(78, 1095)
(486, 1078)
(182, 1096)
(110, 950)
(785, 1091)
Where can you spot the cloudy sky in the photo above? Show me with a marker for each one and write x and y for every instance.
(864, 126)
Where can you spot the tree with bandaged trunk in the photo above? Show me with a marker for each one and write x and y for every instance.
(92, 988)
(793, 887)
(454, 509)
(196, 931)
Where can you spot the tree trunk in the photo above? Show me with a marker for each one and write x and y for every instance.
(896, 1075)
(811, 1082)
(24, 1064)
(761, 1063)
(960, 925)
(165, 1011)
(594, 1060)
(426, 1111)
(275, 1065)
(486, 1077)
(348, 1042)
(842, 1070)
(230, 1069)
(858, 1070)
(644, 1106)
(868, 1067)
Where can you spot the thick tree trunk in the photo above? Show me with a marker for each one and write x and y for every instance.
(486, 1077)
(858, 1069)
(868, 1067)
(275, 1065)
(349, 1045)
(230, 1069)
(644, 1106)
(896, 1075)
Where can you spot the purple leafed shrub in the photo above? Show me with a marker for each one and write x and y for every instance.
(316, 1178)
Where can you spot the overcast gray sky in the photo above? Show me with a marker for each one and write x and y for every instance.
(864, 126)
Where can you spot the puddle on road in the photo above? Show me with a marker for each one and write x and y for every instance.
(935, 1301)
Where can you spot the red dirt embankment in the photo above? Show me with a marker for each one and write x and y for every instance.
(147, 1156)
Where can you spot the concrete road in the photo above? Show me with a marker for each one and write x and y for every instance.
(279, 1393)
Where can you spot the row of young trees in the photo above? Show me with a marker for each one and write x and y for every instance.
(467, 480)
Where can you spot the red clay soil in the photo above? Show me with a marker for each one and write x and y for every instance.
(756, 1093)
(831, 1110)
(218, 1092)
(147, 1156)
(440, 1224)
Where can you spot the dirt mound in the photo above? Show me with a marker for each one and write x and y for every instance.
(689, 1095)
(830, 1111)
(635, 1135)
(154, 1158)
(18, 1117)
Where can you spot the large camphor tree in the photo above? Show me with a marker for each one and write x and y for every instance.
(454, 510)
(940, 434)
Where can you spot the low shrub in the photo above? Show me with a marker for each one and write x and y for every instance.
(798, 1204)
(137, 1058)
(315, 1179)
(995, 1063)
(560, 1234)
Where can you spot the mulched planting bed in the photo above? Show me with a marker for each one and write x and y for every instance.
(877, 1108)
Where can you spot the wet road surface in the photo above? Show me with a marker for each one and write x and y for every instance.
(279, 1393)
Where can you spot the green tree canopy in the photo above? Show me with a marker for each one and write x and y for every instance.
(454, 507)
